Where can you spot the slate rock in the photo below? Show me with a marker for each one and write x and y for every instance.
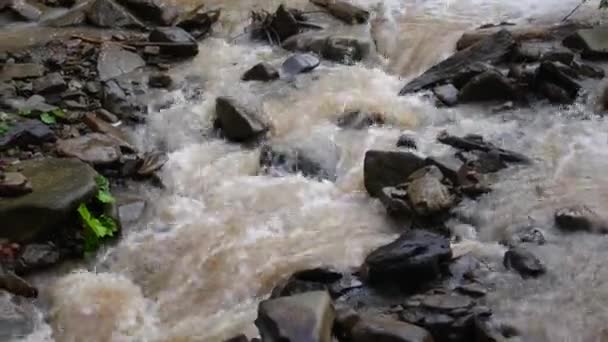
(388, 168)
(94, 148)
(181, 43)
(238, 123)
(27, 132)
(345, 11)
(580, 218)
(488, 86)
(51, 83)
(591, 42)
(18, 71)
(199, 21)
(14, 284)
(300, 63)
(447, 94)
(114, 61)
(35, 257)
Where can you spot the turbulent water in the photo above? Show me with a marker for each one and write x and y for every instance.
(220, 236)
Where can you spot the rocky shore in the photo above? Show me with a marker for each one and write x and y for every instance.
(68, 107)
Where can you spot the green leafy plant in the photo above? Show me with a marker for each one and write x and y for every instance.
(96, 228)
(48, 119)
(103, 192)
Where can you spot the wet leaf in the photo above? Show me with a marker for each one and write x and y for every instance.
(103, 192)
(95, 229)
(48, 119)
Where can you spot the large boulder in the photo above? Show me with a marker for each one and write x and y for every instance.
(593, 42)
(381, 329)
(158, 12)
(108, 13)
(306, 317)
(114, 61)
(493, 49)
(238, 123)
(388, 168)
(175, 41)
(59, 187)
(415, 258)
(524, 262)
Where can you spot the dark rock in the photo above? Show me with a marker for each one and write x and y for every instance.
(7, 90)
(124, 104)
(108, 13)
(94, 148)
(160, 81)
(483, 162)
(563, 56)
(488, 86)
(388, 330)
(524, 262)
(554, 93)
(588, 70)
(155, 11)
(477, 143)
(199, 21)
(345, 50)
(344, 11)
(306, 317)
(527, 53)
(473, 290)
(239, 338)
(580, 218)
(300, 63)
(284, 24)
(261, 72)
(28, 132)
(152, 162)
(551, 72)
(59, 187)
(315, 157)
(114, 61)
(411, 260)
(591, 42)
(406, 141)
(493, 49)
(238, 124)
(178, 43)
(21, 71)
(447, 302)
(14, 184)
(25, 10)
(75, 105)
(51, 83)
(426, 194)
(359, 120)
(36, 257)
(388, 168)
(527, 234)
(12, 283)
(447, 94)
(448, 165)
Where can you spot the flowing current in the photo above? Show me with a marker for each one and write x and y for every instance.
(220, 236)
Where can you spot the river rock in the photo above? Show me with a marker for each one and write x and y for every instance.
(261, 72)
(180, 43)
(51, 83)
(299, 63)
(14, 184)
(25, 10)
(580, 218)
(345, 50)
(385, 329)
(344, 11)
(14, 284)
(239, 338)
(108, 13)
(36, 257)
(474, 142)
(152, 162)
(407, 141)
(447, 94)
(524, 262)
(554, 93)
(21, 71)
(306, 317)
(415, 258)
(114, 61)
(493, 49)
(388, 168)
(359, 120)
(488, 86)
(591, 42)
(156, 11)
(94, 148)
(426, 193)
(160, 80)
(18, 318)
(73, 17)
(315, 157)
(59, 187)
(553, 72)
(35, 104)
(558, 55)
(238, 123)
(317, 279)
(199, 21)
(27, 132)
(588, 70)
(100, 126)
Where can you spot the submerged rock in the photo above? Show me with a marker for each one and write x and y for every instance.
(474, 142)
(59, 187)
(179, 42)
(524, 262)
(108, 13)
(237, 123)
(580, 218)
(407, 141)
(114, 61)
(306, 317)
(299, 63)
(388, 168)
(341, 49)
(261, 72)
(385, 329)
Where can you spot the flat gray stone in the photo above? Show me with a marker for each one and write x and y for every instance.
(114, 61)
(21, 71)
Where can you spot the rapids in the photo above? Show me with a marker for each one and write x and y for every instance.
(220, 236)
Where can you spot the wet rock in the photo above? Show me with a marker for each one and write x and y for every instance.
(493, 49)
(131, 211)
(488, 86)
(93, 87)
(388, 168)
(261, 72)
(199, 21)
(35, 104)
(152, 50)
(7, 90)
(527, 234)
(448, 165)
(176, 42)
(94, 148)
(21, 71)
(284, 24)
(407, 141)
(483, 162)
(359, 120)
(306, 317)
(36, 257)
(554, 93)
(386, 329)
(27, 132)
(59, 187)
(100, 126)
(524, 262)
(108, 13)
(345, 50)
(553, 73)
(300, 63)
(75, 105)
(14, 284)
(106, 116)
(473, 142)
(415, 258)
(591, 42)
(317, 279)
(25, 10)
(114, 61)
(426, 193)
(237, 123)
(123, 103)
(580, 218)
(239, 338)
(155, 11)
(344, 11)
(588, 70)
(447, 94)
(315, 157)
(14, 184)
(561, 55)
(473, 290)
(152, 162)
(51, 83)
(17, 318)
(160, 81)
(73, 17)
